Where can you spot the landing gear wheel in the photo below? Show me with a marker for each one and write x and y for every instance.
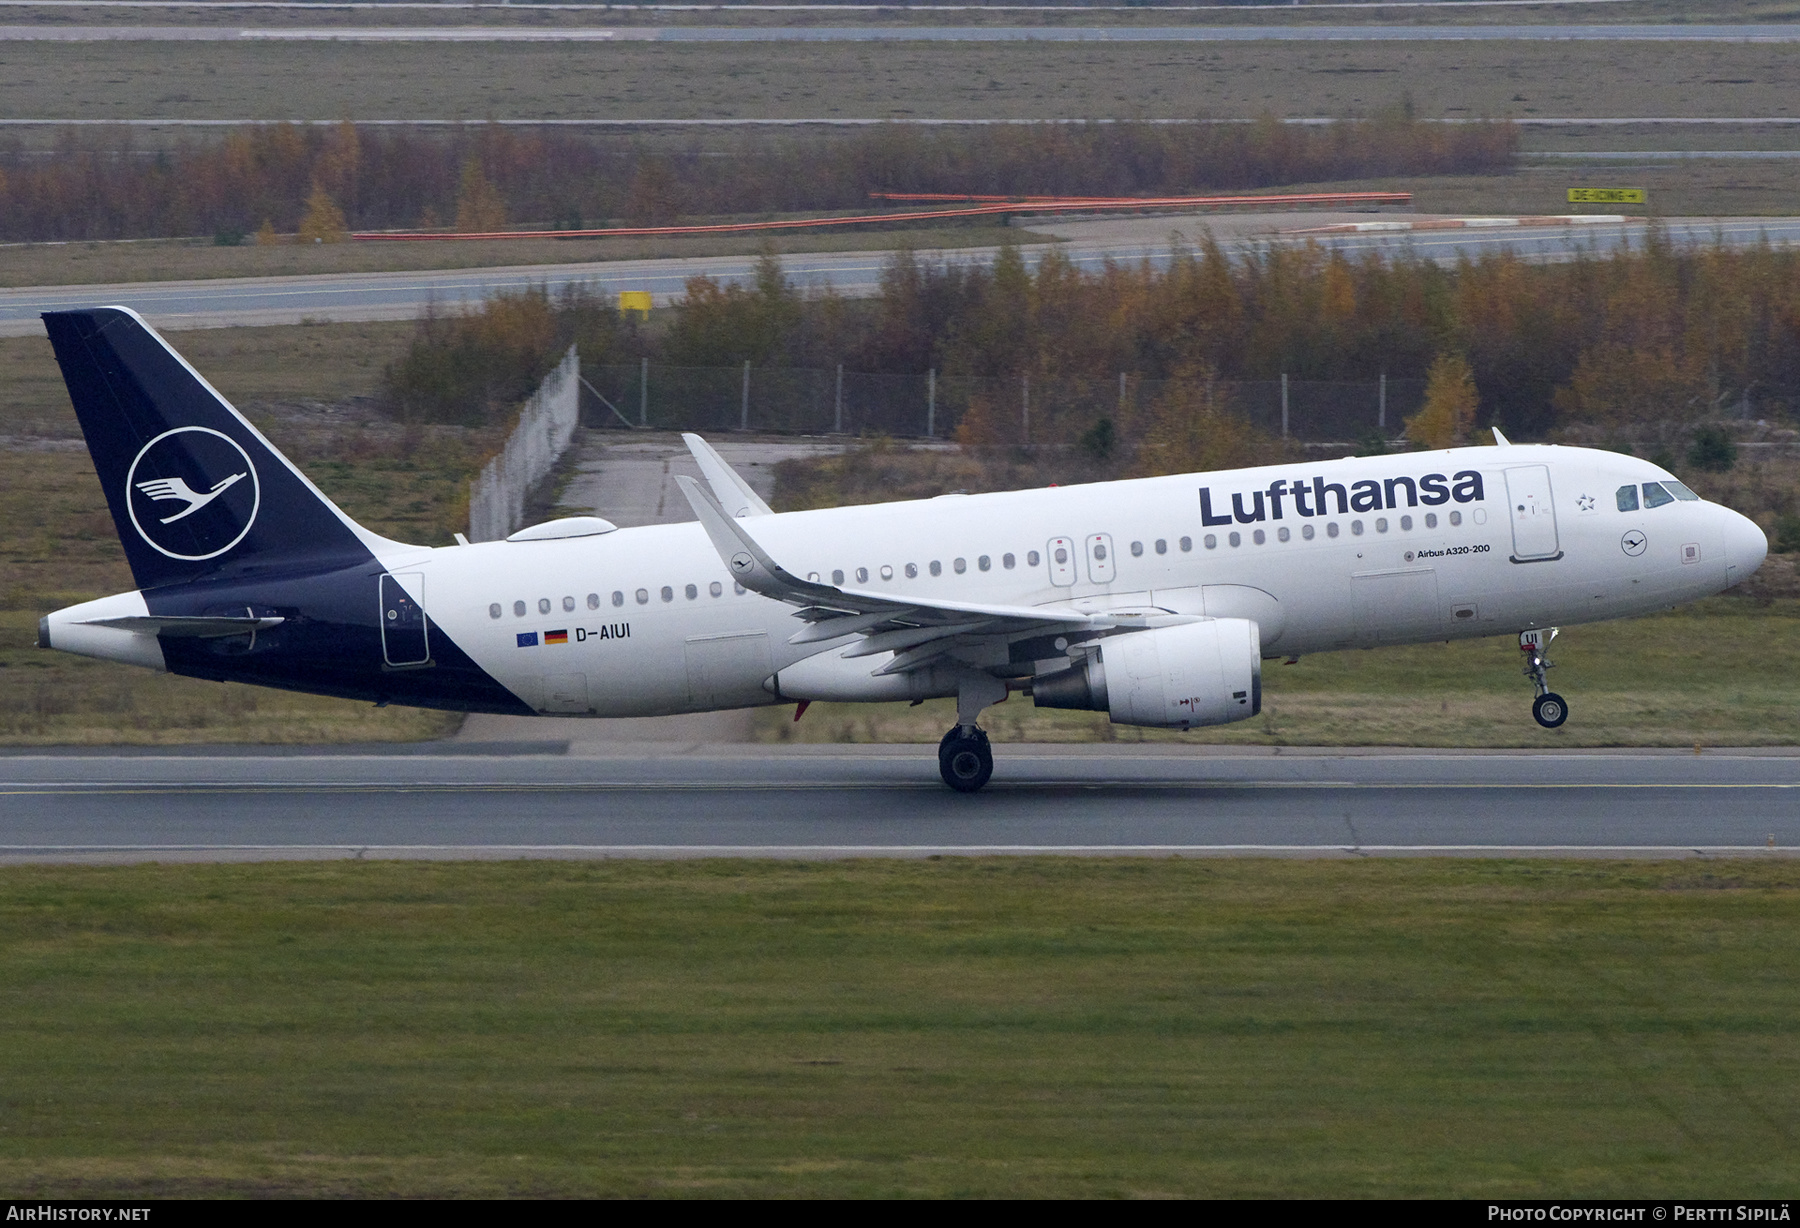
(1549, 710)
(964, 760)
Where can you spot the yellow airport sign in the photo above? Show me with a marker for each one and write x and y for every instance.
(1606, 196)
(634, 300)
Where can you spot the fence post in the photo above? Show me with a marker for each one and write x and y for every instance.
(931, 404)
(1381, 408)
(1025, 406)
(744, 407)
(1284, 406)
(644, 394)
(837, 417)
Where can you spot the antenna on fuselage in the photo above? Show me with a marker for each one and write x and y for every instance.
(1500, 441)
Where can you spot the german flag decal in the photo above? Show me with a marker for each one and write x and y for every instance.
(556, 637)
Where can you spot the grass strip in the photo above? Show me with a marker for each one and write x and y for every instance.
(954, 1027)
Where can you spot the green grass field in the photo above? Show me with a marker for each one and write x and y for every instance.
(933, 1028)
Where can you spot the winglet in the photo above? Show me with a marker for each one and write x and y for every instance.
(733, 493)
(748, 563)
(1500, 441)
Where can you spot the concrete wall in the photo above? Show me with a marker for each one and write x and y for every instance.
(546, 426)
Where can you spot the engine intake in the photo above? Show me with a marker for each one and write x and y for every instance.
(1203, 673)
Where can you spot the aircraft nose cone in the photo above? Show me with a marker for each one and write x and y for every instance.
(1746, 546)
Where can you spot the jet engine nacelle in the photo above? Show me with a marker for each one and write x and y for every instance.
(1203, 673)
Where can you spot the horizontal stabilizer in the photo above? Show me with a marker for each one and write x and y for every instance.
(199, 628)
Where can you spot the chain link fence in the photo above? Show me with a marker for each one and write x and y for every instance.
(930, 405)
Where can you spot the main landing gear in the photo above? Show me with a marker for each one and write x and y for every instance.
(965, 760)
(1549, 709)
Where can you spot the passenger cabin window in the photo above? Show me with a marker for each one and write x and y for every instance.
(1137, 550)
(1282, 533)
(692, 592)
(1187, 544)
(518, 609)
(618, 597)
(568, 605)
(1627, 497)
(1031, 558)
(837, 577)
(1007, 561)
(912, 571)
(1307, 531)
(668, 594)
(1212, 542)
(985, 563)
(1431, 520)
(1162, 546)
(715, 589)
(937, 568)
(543, 605)
(494, 610)
(862, 575)
(960, 566)
(1655, 495)
(593, 601)
(643, 596)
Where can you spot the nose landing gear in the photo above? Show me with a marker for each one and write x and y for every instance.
(1549, 709)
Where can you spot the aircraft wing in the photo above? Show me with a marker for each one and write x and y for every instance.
(734, 494)
(918, 631)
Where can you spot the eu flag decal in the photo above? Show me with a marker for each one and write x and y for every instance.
(527, 639)
(556, 637)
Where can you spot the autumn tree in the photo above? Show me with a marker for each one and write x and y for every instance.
(324, 221)
(480, 209)
(1620, 390)
(1448, 415)
(1191, 428)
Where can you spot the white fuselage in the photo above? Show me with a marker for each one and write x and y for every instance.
(654, 623)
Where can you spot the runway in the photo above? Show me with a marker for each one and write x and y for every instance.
(587, 800)
(1089, 244)
(1766, 32)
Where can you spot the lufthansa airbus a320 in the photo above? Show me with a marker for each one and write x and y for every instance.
(1154, 600)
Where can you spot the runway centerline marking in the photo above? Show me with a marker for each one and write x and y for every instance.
(198, 789)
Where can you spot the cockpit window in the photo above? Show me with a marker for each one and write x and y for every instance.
(1681, 492)
(1655, 495)
(1628, 499)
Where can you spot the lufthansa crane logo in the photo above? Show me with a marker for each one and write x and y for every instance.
(193, 493)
